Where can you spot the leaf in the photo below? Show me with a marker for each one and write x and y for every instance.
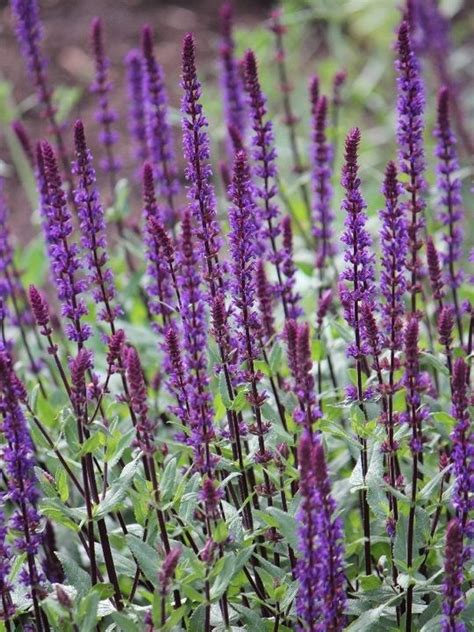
(62, 483)
(167, 480)
(92, 443)
(224, 393)
(253, 620)
(425, 492)
(88, 612)
(221, 532)
(225, 575)
(124, 623)
(434, 363)
(275, 358)
(75, 575)
(119, 489)
(286, 525)
(196, 622)
(146, 556)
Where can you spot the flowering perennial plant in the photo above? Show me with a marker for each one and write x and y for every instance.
(197, 430)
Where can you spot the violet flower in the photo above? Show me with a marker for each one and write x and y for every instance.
(145, 427)
(231, 82)
(410, 106)
(415, 384)
(453, 596)
(29, 32)
(167, 571)
(321, 596)
(7, 608)
(194, 319)
(462, 453)
(158, 286)
(265, 301)
(321, 174)
(106, 116)
(63, 256)
(17, 454)
(300, 362)
(160, 141)
(93, 229)
(136, 96)
(243, 253)
(357, 279)
(265, 171)
(394, 250)
(198, 171)
(292, 298)
(434, 270)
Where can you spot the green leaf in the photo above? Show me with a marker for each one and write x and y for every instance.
(275, 358)
(223, 578)
(285, 524)
(318, 350)
(75, 575)
(62, 483)
(224, 393)
(92, 443)
(196, 622)
(167, 481)
(146, 556)
(119, 489)
(221, 532)
(124, 623)
(252, 620)
(87, 613)
(426, 491)
(434, 363)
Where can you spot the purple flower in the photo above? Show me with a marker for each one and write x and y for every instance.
(145, 427)
(7, 609)
(158, 285)
(63, 256)
(264, 156)
(93, 229)
(211, 496)
(79, 367)
(445, 326)
(299, 359)
(231, 82)
(410, 106)
(17, 454)
(194, 319)
(449, 187)
(321, 596)
(265, 301)
(415, 384)
(167, 570)
(453, 596)
(198, 171)
(357, 279)
(322, 216)
(177, 382)
(243, 253)
(292, 298)
(434, 270)
(394, 249)
(29, 31)
(462, 453)
(160, 141)
(136, 96)
(105, 115)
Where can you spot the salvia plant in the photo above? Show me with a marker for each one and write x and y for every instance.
(198, 431)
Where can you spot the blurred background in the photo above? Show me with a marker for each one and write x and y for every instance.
(323, 37)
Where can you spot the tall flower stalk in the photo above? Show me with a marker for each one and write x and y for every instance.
(357, 287)
(451, 211)
(410, 125)
(158, 129)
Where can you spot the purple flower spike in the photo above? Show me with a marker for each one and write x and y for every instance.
(136, 96)
(29, 31)
(453, 596)
(63, 256)
(17, 454)
(449, 185)
(434, 270)
(25, 141)
(93, 229)
(195, 332)
(410, 104)
(357, 279)
(158, 285)
(160, 141)
(394, 245)
(105, 115)
(321, 596)
(243, 253)
(7, 609)
(415, 384)
(234, 102)
(292, 298)
(299, 353)
(138, 398)
(462, 453)
(264, 155)
(167, 570)
(6, 250)
(323, 216)
(198, 171)
(265, 301)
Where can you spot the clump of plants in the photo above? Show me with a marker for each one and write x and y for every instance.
(199, 429)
